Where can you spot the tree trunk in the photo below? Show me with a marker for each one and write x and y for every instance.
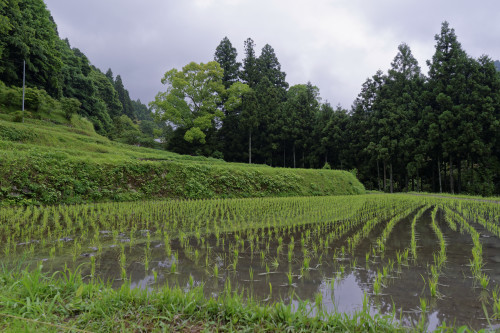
(390, 173)
(459, 177)
(250, 147)
(284, 156)
(439, 176)
(445, 175)
(303, 159)
(378, 176)
(417, 181)
(294, 155)
(412, 184)
(433, 180)
(452, 190)
(385, 177)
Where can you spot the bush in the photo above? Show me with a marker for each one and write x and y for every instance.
(70, 106)
(12, 97)
(31, 99)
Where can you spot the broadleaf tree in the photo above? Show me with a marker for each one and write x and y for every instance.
(192, 100)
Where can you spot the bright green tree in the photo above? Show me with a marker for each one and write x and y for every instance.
(192, 100)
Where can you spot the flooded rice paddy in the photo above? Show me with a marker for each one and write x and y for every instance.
(424, 261)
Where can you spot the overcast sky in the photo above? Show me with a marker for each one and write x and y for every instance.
(334, 44)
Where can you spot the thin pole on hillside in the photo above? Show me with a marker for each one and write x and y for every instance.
(24, 81)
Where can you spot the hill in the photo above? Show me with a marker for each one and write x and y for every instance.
(45, 161)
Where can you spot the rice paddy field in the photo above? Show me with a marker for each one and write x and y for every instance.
(425, 262)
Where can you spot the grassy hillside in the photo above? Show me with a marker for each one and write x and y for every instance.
(48, 162)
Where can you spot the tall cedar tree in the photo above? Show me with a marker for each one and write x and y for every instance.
(229, 135)
(447, 86)
(397, 115)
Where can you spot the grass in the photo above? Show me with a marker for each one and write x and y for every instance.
(32, 301)
(43, 162)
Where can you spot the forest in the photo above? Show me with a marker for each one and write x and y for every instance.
(406, 131)
(61, 76)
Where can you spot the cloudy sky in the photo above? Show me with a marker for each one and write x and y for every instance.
(335, 44)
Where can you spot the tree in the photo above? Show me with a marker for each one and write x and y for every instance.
(229, 135)
(29, 33)
(301, 107)
(362, 131)
(225, 55)
(250, 73)
(109, 75)
(270, 67)
(398, 114)
(106, 91)
(447, 82)
(192, 99)
(141, 111)
(270, 88)
(124, 98)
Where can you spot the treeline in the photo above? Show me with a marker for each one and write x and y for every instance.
(57, 74)
(404, 131)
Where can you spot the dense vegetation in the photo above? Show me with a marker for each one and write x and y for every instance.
(43, 162)
(61, 77)
(405, 130)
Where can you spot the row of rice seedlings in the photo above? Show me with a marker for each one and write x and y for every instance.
(202, 217)
(305, 239)
(413, 243)
(92, 215)
(382, 239)
(440, 259)
(486, 210)
(476, 213)
(477, 251)
(57, 231)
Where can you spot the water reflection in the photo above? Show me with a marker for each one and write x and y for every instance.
(290, 265)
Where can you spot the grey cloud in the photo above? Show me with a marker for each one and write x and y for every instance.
(142, 40)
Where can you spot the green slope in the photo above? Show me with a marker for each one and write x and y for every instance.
(44, 162)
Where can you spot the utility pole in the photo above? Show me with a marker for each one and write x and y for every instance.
(24, 80)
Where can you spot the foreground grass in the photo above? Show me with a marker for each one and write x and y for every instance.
(32, 300)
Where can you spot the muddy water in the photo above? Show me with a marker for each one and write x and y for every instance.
(262, 269)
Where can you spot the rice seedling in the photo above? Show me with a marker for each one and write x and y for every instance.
(496, 302)
(275, 264)
(289, 277)
(377, 284)
(306, 263)
(92, 267)
(484, 281)
(216, 271)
